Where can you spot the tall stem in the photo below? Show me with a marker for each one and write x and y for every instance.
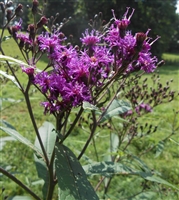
(18, 182)
(26, 95)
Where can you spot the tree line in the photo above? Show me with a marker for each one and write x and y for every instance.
(76, 15)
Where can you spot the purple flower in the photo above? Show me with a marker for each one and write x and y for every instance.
(90, 39)
(28, 70)
(24, 40)
(143, 106)
(42, 79)
(123, 24)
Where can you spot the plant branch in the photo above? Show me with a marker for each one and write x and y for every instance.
(72, 126)
(18, 182)
(34, 123)
(91, 135)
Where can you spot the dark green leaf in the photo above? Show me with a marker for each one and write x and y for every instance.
(72, 180)
(110, 168)
(6, 124)
(159, 149)
(117, 107)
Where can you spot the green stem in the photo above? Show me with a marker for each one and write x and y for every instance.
(52, 182)
(90, 137)
(34, 123)
(18, 182)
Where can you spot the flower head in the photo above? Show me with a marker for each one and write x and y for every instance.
(90, 39)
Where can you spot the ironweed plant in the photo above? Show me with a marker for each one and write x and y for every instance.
(99, 85)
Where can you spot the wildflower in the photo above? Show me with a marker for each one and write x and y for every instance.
(143, 106)
(123, 24)
(28, 70)
(35, 5)
(90, 39)
(24, 40)
(43, 20)
(18, 10)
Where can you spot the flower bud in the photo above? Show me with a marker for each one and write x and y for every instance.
(31, 29)
(122, 25)
(18, 10)
(8, 15)
(2, 7)
(35, 5)
(140, 38)
(43, 21)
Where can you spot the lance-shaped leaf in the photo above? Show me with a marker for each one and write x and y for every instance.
(16, 61)
(20, 198)
(4, 123)
(159, 148)
(117, 107)
(72, 180)
(48, 136)
(10, 77)
(89, 106)
(111, 168)
(20, 138)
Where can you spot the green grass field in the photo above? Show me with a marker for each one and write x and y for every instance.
(17, 158)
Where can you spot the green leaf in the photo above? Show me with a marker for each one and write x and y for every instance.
(172, 140)
(72, 180)
(20, 198)
(10, 77)
(159, 148)
(113, 147)
(117, 107)
(46, 28)
(48, 136)
(140, 163)
(110, 168)
(147, 195)
(42, 172)
(20, 138)
(160, 180)
(6, 124)
(88, 106)
(16, 61)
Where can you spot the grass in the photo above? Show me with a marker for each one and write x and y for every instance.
(13, 153)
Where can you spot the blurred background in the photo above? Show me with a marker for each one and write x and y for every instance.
(162, 17)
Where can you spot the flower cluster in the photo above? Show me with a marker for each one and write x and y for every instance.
(76, 75)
